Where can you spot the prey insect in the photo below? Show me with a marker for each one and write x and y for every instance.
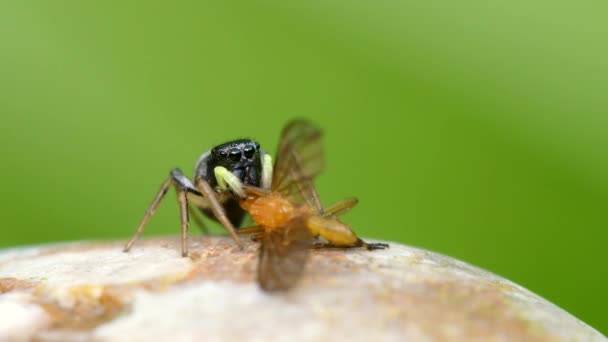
(290, 215)
(217, 186)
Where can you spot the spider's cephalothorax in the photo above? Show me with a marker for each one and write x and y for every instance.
(228, 165)
(217, 186)
(242, 157)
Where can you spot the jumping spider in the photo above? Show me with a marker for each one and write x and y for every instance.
(216, 187)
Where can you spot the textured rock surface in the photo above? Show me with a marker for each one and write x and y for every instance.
(91, 291)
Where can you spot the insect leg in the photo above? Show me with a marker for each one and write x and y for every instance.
(250, 230)
(357, 244)
(257, 237)
(253, 190)
(217, 208)
(340, 207)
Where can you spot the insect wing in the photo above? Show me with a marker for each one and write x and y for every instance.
(283, 255)
(299, 160)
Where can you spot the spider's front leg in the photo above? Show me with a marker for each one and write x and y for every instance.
(183, 186)
(218, 211)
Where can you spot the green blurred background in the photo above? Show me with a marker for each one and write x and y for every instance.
(476, 129)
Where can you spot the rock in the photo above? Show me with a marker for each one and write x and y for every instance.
(92, 291)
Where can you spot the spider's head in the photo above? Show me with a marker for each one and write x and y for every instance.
(242, 157)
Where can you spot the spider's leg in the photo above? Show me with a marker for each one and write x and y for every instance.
(183, 215)
(205, 189)
(183, 185)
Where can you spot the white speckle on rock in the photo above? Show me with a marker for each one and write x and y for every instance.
(212, 309)
(100, 266)
(19, 319)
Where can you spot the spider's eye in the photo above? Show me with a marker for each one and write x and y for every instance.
(234, 154)
(249, 151)
(257, 146)
(222, 154)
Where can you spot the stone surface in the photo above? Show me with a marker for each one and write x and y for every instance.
(91, 291)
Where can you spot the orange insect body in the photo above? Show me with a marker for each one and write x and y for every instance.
(290, 217)
(271, 211)
(331, 229)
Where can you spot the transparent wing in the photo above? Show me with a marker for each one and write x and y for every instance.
(283, 255)
(299, 160)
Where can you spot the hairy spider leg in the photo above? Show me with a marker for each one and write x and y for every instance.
(217, 208)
